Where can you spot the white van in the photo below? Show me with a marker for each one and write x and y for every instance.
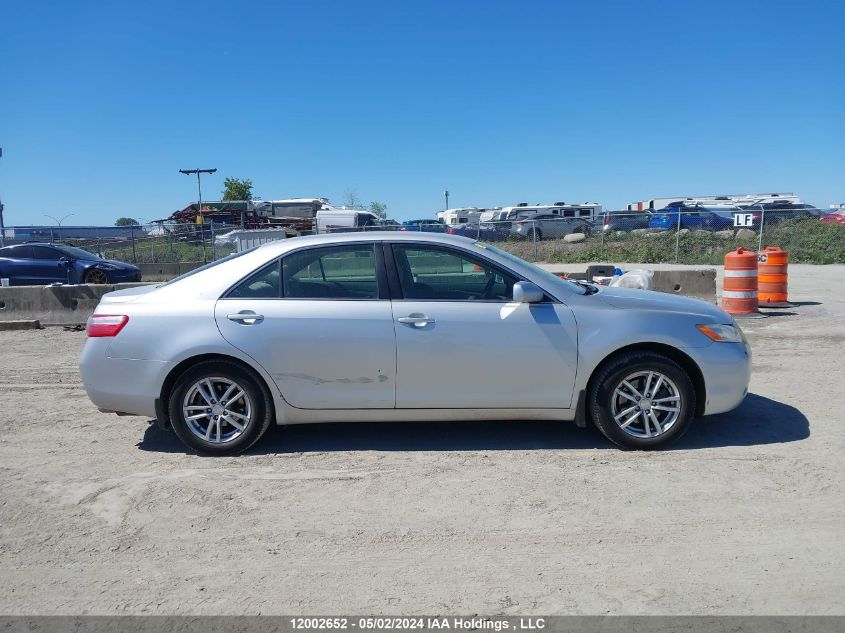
(334, 220)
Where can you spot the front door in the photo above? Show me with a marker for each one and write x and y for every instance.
(463, 343)
(320, 323)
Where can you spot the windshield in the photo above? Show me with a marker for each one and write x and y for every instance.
(76, 253)
(540, 272)
(216, 262)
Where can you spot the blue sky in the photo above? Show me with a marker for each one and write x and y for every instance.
(101, 103)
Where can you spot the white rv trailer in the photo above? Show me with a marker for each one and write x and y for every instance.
(303, 208)
(735, 199)
(461, 215)
(588, 210)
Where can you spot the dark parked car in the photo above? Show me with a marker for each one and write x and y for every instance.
(625, 220)
(488, 232)
(37, 264)
(428, 226)
(774, 213)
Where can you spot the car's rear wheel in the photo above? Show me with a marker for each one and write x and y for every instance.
(219, 408)
(96, 276)
(642, 400)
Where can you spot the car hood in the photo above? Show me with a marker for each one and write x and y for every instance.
(114, 262)
(633, 299)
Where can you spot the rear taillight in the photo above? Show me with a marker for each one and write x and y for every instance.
(100, 325)
(450, 231)
(404, 228)
(755, 218)
(606, 220)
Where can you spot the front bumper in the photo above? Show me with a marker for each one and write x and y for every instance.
(726, 368)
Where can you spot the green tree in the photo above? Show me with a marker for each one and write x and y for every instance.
(237, 189)
(379, 208)
(125, 222)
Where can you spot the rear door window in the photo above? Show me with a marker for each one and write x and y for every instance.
(335, 272)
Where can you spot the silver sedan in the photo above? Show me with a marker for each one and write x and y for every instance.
(405, 327)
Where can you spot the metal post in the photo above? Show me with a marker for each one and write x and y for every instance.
(762, 224)
(2, 228)
(152, 247)
(99, 246)
(213, 248)
(534, 238)
(678, 239)
(132, 238)
(602, 241)
(446, 193)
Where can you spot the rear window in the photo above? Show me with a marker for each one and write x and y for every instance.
(216, 262)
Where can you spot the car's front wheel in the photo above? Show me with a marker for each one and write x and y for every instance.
(219, 408)
(642, 400)
(96, 276)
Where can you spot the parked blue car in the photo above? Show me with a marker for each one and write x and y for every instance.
(38, 264)
(428, 226)
(691, 218)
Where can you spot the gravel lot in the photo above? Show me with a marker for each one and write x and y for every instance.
(107, 515)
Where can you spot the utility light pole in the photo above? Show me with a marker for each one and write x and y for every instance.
(446, 193)
(59, 222)
(2, 231)
(198, 172)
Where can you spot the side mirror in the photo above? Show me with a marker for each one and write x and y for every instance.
(526, 292)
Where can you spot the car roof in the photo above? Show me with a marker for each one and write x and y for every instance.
(327, 239)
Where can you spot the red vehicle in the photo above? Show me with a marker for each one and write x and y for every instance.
(837, 217)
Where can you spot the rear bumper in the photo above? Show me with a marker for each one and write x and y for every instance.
(121, 385)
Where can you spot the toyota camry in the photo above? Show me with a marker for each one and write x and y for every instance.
(410, 326)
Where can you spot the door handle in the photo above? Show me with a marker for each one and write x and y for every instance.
(416, 320)
(246, 317)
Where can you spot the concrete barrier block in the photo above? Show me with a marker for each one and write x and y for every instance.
(698, 283)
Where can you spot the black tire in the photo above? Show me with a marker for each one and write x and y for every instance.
(602, 395)
(259, 398)
(96, 276)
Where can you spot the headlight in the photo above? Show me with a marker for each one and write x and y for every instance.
(721, 333)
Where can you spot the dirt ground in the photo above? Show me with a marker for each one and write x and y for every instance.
(102, 514)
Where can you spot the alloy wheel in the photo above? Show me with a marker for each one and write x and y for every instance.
(96, 277)
(646, 404)
(217, 410)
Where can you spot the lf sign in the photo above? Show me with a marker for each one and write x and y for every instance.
(743, 219)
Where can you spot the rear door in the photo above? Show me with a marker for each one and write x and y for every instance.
(320, 323)
(462, 342)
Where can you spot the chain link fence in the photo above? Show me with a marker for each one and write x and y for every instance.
(686, 237)
(161, 242)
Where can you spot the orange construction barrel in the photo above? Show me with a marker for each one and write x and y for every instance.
(739, 292)
(773, 277)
